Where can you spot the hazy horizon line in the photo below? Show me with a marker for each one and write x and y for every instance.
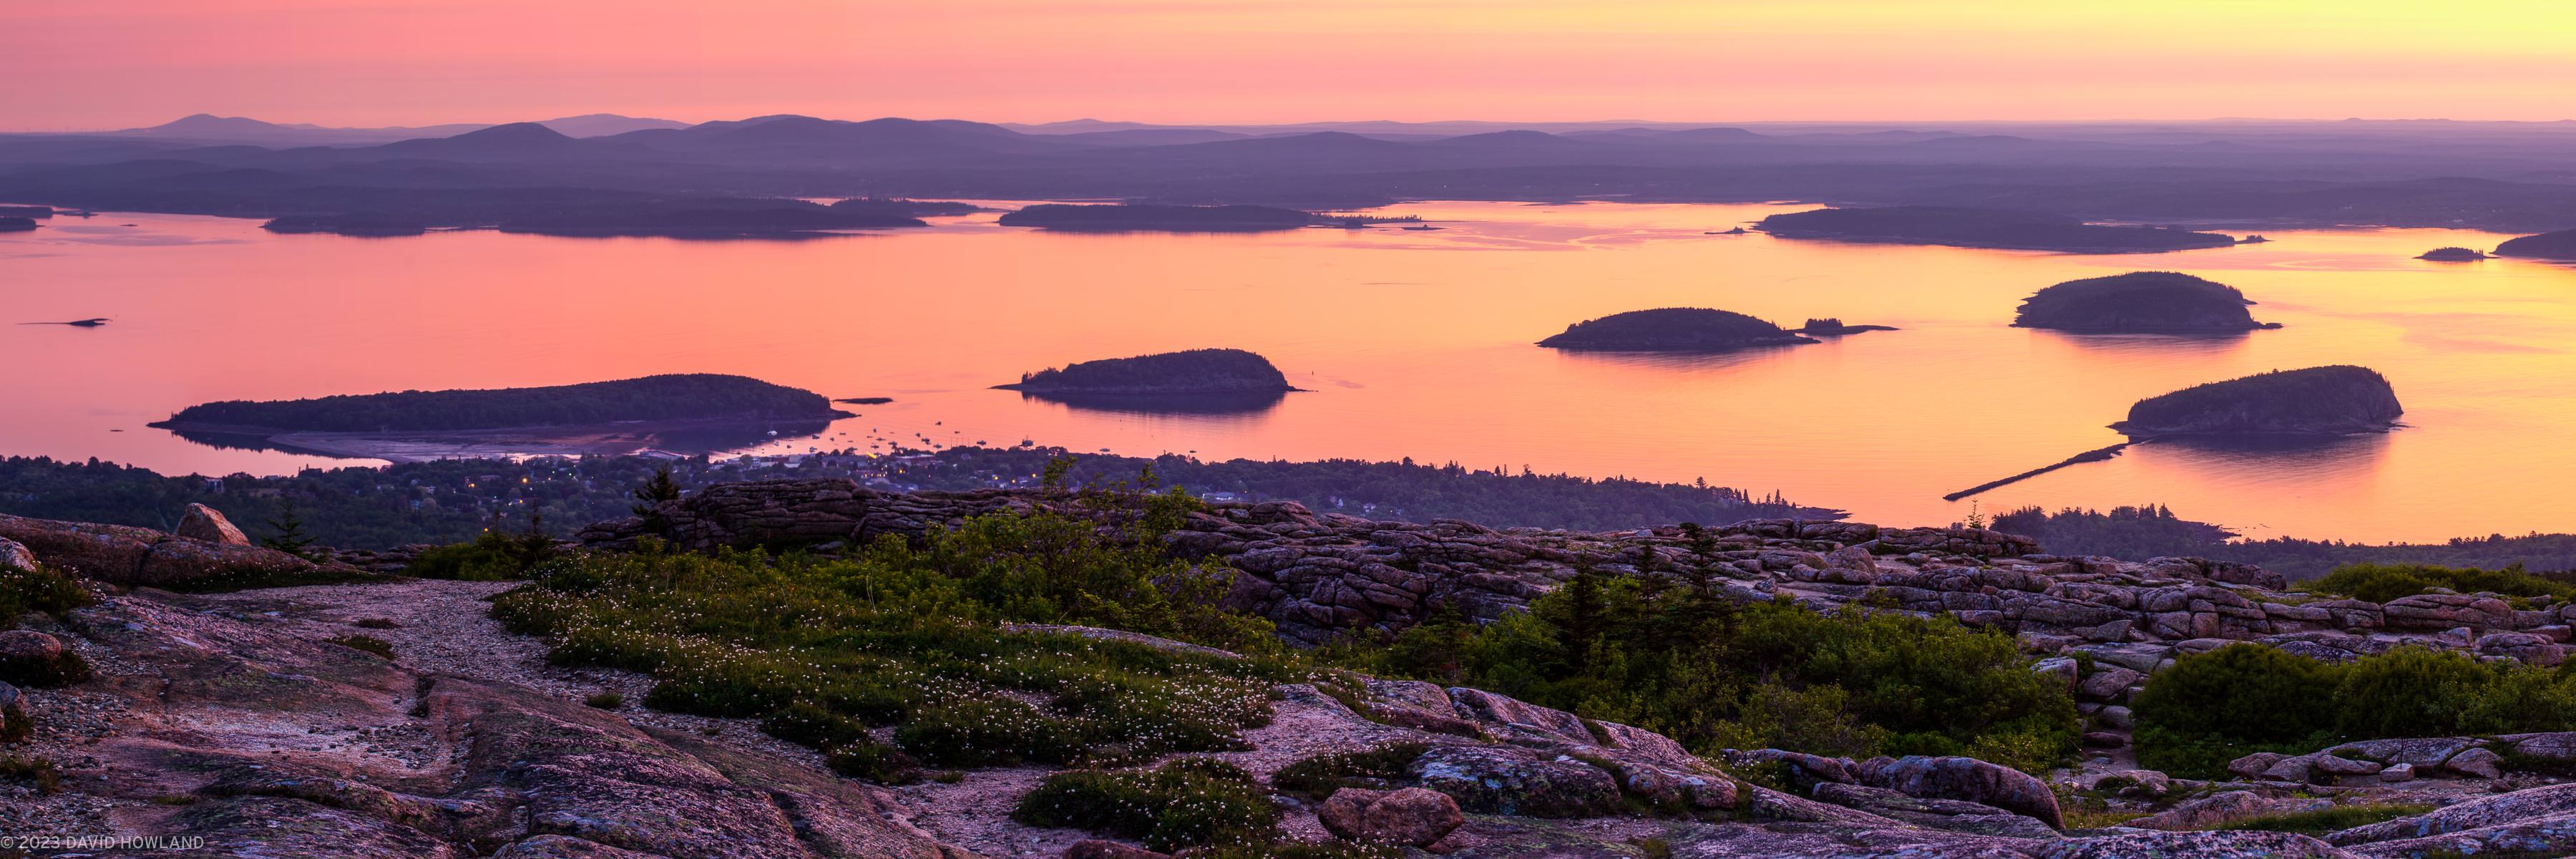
(1317, 122)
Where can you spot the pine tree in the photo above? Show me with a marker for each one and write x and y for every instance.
(290, 537)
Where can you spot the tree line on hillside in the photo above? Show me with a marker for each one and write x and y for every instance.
(2154, 530)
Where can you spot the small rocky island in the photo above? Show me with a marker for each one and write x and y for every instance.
(1157, 218)
(2557, 245)
(1673, 329)
(2317, 401)
(17, 225)
(2452, 255)
(1982, 228)
(1833, 327)
(1196, 371)
(2140, 302)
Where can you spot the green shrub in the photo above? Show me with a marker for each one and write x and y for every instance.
(1184, 804)
(2384, 582)
(2408, 692)
(984, 733)
(1669, 654)
(908, 637)
(33, 773)
(875, 762)
(1317, 776)
(604, 700)
(37, 590)
(490, 557)
(2212, 708)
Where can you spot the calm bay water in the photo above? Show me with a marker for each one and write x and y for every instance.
(1414, 343)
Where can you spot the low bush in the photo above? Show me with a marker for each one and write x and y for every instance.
(604, 700)
(1669, 654)
(2384, 582)
(1183, 804)
(37, 590)
(33, 773)
(490, 557)
(63, 669)
(2211, 708)
(909, 637)
(1317, 776)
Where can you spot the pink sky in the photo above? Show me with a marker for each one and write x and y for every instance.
(412, 62)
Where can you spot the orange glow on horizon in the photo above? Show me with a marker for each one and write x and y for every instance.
(413, 62)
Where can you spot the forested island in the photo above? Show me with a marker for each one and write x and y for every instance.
(16, 225)
(1196, 371)
(2453, 254)
(2557, 245)
(1982, 228)
(2139, 302)
(1673, 329)
(1158, 218)
(2317, 401)
(675, 397)
(1832, 327)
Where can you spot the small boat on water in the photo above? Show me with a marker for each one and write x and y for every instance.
(76, 323)
(1422, 227)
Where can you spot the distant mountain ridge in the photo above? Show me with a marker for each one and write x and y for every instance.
(237, 129)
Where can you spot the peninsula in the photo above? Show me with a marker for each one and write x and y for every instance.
(1112, 218)
(1982, 228)
(17, 225)
(2317, 401)
(2140, 302)
(1673, 329)
(2557, 245)
(1196, 371)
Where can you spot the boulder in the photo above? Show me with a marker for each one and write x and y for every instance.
(1412, 817)
(2190, 845)
(27, 645)
(2108, 683)
(2341, 766)
(1966, 779)
(14, 719)
(2476, 763)
(2254, 765)
(2296, 768)
(1507, 780)
(2420, 751)
(2397, 773)
(2137, 784)
(1094, 848)
(206, 523)
(2220, 808)
(2506, 808)
(123, 555)
(15, 554)
(1945, 814)
(33, 658)
(1799, 770)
